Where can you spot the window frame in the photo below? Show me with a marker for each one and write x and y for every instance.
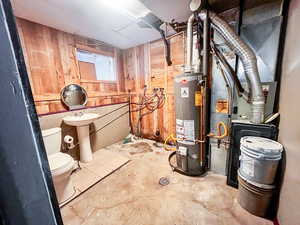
(98, 52)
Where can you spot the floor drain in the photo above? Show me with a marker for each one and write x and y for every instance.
(164, 181)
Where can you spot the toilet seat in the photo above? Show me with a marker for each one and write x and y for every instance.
(60, 163)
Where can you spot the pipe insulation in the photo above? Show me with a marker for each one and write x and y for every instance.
(248, 59)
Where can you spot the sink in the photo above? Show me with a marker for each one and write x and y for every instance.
(82, 121)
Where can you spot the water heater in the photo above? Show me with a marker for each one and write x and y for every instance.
(188, 101)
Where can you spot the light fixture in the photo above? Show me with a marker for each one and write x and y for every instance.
(196, 4)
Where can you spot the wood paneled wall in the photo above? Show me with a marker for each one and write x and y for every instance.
(50, 57)
(146, 65)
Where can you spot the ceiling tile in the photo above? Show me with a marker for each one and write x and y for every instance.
(139, 35)
(95, 20)
(169, 9)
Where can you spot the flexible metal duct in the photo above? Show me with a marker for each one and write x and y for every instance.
(248, 59)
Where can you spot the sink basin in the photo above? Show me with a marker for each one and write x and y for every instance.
(82, 122)
(81, 119)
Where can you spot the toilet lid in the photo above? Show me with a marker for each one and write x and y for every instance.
(60, 161)
(51, 131)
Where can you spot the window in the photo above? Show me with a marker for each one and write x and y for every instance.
(96, 67)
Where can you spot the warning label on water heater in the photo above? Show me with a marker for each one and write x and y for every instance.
(185, 129)
(185, 92)
(189, 129)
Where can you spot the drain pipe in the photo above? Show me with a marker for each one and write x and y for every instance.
(248, 59)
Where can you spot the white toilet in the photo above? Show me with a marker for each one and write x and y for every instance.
(61, 164)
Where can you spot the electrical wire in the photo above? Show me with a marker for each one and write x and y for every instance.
(107, 124)
(113, 111)
(106, 114)
(150, 103)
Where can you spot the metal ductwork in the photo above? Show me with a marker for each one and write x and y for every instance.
(248, 59)
(245, 53)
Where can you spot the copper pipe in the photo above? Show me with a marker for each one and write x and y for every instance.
(202, 141)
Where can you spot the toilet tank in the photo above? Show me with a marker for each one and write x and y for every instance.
(52, 140)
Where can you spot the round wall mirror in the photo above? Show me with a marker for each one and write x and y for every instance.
(74, 96)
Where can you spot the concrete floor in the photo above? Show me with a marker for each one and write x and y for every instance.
(133, 196)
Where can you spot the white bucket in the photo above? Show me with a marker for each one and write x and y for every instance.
(259, 159)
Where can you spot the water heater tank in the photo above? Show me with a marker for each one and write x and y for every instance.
(187, 111)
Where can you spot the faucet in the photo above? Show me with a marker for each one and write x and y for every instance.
(78, 114)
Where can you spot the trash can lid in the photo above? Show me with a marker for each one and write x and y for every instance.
(261, 145)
